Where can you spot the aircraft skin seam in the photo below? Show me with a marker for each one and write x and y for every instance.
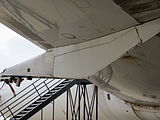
(95, 45)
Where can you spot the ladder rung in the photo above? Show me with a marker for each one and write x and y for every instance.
(29, 108)
(48, 94)
(55, 90)
(17, 116)
(62, 84)
(40, 101)
(20, 115)
(34, 104)
(24, 112)
(45, 97)
(58, 87)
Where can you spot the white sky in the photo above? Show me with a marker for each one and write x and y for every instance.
(14, 48)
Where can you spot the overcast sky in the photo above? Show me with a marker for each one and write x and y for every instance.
(14, 48)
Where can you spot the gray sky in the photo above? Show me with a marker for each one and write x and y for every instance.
(14, 48)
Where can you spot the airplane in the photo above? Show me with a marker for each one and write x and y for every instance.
(113, 44)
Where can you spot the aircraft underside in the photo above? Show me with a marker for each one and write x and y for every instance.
(114, 44)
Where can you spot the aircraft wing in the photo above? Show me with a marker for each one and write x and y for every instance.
(58, 23)
(77, 28)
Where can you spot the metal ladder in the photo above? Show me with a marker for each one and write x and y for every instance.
(35, 97)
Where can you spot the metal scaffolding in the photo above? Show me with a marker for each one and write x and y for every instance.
(81, 106)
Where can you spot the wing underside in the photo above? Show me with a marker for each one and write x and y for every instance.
(60, 23)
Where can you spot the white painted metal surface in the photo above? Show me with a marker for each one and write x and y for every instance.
(85, 59)
(40, 66)
(95, 55)
(136, 74)
(59, 23)
(149, 29)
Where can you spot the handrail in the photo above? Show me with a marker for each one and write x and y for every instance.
(23, 99)
(19, 92)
